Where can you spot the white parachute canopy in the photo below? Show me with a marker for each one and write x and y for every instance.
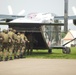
(36, 18)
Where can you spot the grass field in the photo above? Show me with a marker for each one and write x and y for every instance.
(56, 54)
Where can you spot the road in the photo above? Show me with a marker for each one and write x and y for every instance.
(30, 66)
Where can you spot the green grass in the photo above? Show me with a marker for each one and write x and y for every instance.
(56, 54)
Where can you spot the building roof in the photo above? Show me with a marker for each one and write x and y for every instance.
(73, 32)
(70, 35)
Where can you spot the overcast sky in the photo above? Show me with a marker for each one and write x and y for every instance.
(31, 6)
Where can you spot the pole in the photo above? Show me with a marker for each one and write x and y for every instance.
(65, 16)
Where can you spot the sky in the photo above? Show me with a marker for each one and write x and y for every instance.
(39, 6)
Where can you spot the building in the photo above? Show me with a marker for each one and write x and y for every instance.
(71, 34)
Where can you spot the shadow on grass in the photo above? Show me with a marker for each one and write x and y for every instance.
(56, 54)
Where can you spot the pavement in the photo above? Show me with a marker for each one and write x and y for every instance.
(30, 66)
